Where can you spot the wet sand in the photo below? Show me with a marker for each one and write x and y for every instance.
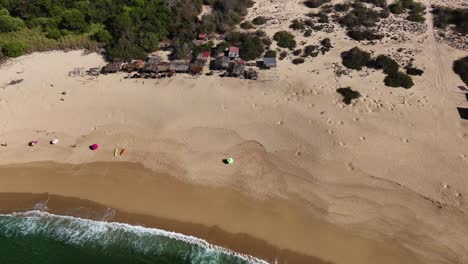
(285, 230)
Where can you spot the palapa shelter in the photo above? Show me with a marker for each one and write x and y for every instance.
(112, 67)
(179, 66)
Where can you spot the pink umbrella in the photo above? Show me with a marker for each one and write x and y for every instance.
(94, 146)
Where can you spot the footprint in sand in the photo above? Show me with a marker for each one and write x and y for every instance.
(331, 132)
(350, 166)
(405, 140)
(363, 138)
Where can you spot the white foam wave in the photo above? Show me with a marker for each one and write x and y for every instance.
(78, 231)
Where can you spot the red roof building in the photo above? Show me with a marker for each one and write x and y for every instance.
(233, 52)
(202, 36)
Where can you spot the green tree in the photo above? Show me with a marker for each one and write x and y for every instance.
(251, 48)
(74, 20)
(10, 24)
(103, 36)
(285, 39)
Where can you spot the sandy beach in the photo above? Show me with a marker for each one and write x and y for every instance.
(383, 180)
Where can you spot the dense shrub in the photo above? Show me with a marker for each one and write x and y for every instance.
(348, 94)
(360, 16)
(309, 50)
(260, 20)
(379, 3)
(246, 25)
(360, 35)
(297, 52)
(355, 58)
(414, 71)
(315, 3)
(460, 67)
(416, 17)
(297, 24)
(342, 7)
(251, 47)
(447, 16)
(14, 49)
(398, 79)
(283, 55)
(298, 61)
(326, 45)
(308, 33)
(270, 54)
(285, 39)
(415, 10)
(53, 33)
(385, 63)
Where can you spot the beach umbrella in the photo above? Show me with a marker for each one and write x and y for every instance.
(54, 141)
(94, 146)
(33, 143)
(229, 161)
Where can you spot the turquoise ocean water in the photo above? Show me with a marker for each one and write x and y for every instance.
(42, 238)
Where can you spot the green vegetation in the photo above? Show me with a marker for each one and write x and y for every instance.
(9, 23)
(446, 16)
(128, 29)
(415, 10)
(348, 94)
(260, 20)
(360, 16)
(378, 3)
(366, 34)
(398, 79)
(246, 25)
(460, 67)
(414, 71)
(355, 58)
(270, 54)
(14, 49)
(251, 48)
(298, 61)
(387, 64)
(297, 25)
(315, 3)
(285, 39)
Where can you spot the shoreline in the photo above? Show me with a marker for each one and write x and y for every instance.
(271, 219)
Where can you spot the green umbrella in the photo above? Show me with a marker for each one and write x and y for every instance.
(230, 160)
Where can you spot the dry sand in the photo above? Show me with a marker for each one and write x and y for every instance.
(391, 167)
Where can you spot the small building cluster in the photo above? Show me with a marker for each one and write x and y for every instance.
(228, 62)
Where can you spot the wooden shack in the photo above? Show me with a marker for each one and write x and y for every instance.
(221, 63)
(179, 66)
(134, 65)
(112, 67)
(197, 66)
(269, 63)
(236, 69)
